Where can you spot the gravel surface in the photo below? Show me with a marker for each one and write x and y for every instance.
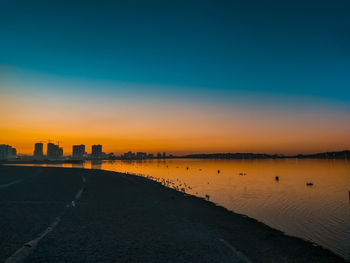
(125, 218)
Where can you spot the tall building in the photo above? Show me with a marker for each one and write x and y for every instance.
(38, 151)
(13, 152)
(60, 152)
(3, 152)
(7, 152)
(78, 152)
(54, 152)
(51, 151)
(96, 151)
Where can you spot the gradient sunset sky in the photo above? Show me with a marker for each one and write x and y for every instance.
(176, 76)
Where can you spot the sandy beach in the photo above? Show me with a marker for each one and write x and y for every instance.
(82, 215)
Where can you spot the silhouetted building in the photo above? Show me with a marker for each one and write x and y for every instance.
(38, 151)
(4, 152)
(141, 155)
(164, 155)
(159, 155)
(110, 156)
(60, 152)
(54, 152)
(78, 152)
(13, 152)
(7, 152)
(51, 151)
(150, 156)
(96, 151)
(128, 156)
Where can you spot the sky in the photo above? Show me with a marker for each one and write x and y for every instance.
(176, 76)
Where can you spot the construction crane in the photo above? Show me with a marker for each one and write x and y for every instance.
(52, 141)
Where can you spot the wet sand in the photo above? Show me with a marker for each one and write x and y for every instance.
(124, 218)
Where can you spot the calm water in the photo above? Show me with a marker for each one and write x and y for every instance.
(320, 213)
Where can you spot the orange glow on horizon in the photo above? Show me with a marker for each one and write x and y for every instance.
(120, 127)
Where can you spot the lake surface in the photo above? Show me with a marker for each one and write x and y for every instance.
(319, 213)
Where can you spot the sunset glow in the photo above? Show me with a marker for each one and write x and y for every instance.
(124, 123)
(165, 86)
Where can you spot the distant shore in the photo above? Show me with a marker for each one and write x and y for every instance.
(125, 218)
(326, 155)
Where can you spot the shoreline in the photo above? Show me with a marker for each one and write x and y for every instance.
(196, 224)
(340, 155)
(20, 162)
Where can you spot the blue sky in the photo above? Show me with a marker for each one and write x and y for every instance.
(288, 47)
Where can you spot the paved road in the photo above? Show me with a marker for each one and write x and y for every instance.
(120, 218)
(29, 201)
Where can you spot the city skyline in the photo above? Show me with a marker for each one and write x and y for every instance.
(80, 152)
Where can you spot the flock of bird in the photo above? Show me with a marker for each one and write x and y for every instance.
(177, 184)
(180, 186)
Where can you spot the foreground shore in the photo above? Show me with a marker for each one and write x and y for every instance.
(81, 215)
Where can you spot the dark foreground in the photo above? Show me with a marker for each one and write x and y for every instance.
(124, 218)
